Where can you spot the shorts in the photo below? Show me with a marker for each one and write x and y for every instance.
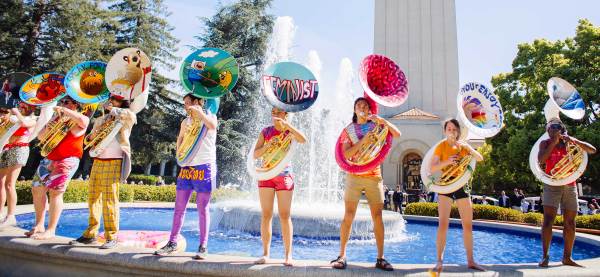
(458, 194)
(55, 175)
(279, 182)
(198, 178)
(564, 197)
(372, 186)
(14, 156)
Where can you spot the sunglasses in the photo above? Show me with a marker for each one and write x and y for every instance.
(555, 126)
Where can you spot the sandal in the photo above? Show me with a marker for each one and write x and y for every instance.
(339, 263)
(384, 265)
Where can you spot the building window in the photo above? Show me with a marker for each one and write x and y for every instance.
(412, 172)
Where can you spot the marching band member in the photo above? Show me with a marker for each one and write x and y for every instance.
(370, 182)
(57, 169)
(448, 152)
(13, 157)
(281, 185)
(551, 152)
(199, 175)
(107, 174)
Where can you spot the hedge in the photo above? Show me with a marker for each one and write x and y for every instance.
(502, 214)
(77, 191)
(150, 179)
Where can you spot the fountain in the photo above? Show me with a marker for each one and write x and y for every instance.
(317, 208)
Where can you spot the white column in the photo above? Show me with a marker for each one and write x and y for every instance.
(163, 163)
(174, 172)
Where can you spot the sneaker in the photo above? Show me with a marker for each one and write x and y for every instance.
(8, 221)
(82, 240)
(109, 244)
(202, 253)
(167, 249)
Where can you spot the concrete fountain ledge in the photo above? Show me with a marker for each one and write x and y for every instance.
(20, 256)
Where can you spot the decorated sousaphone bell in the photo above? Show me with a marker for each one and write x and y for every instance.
(208, 73)
(384, 83)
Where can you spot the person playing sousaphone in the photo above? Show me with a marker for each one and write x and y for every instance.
(355, 137)
(449, 152)
(196, 175)
(57, 169)
(196, 151)
(107, 174)
(280, 186)
(14, 156)
(551, 151)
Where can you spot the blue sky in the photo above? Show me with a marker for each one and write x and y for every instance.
(488, 31)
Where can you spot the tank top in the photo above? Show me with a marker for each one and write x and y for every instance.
(352, 134)
(69, 146)
(268, 134)
(557, 153)
(23, 131)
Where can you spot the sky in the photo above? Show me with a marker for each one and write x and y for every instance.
(488, 31)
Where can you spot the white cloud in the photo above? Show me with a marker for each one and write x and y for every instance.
(208, 54)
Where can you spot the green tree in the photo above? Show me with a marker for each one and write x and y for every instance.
(242, 29)
(523, 95)
(45, 35)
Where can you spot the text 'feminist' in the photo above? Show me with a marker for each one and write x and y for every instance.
(290, 91)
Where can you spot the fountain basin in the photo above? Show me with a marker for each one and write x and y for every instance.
(20, 256)
(316, 221)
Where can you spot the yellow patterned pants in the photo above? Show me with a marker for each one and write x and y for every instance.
(103, 193)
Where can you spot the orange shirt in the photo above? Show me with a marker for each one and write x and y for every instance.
(444, 151)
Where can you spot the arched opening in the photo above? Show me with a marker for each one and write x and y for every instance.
(411, 179)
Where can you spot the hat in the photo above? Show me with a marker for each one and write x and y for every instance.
(117, 97)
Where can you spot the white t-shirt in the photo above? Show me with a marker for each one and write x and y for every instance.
(113, 149)
(207, 153)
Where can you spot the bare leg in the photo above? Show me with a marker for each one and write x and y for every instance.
(465, 210)
(569, 237)
(376, 215)
(56, 206)
(39, 204)
(266, 197)
(3, 188)
(11, 190)
(284, 205)
(346, 228)
(549, 216)
(444, 208)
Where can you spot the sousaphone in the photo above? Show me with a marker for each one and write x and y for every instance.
(45, 90)
(208, 73)
(385, 84)
(479, 110)
(128, 73)
(9, 123)
(565, 99)
(291, 87)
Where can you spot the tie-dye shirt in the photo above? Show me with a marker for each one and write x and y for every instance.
(352, 134)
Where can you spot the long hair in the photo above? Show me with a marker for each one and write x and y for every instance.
(453, 121)
(354, 116)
